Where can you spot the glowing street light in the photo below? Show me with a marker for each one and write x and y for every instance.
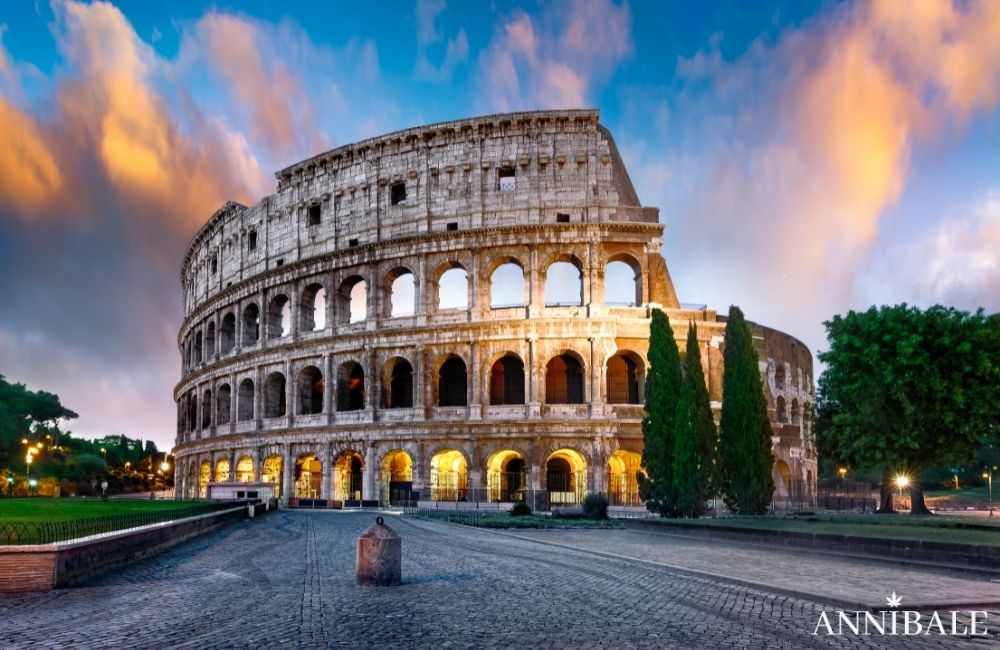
(988, 475)
(902, 482)
(842, 472)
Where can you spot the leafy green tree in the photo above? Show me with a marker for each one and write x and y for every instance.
(26, 414)
(745, 458)
(909, 389)
(663, 383)
(696, 438)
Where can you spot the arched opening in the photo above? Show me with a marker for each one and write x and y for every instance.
(192, 402)
(204, 476)
(564, 284)
(191, 487)
(453, 289)
(244, 470)
(311, 387)
(625, 378)
(796, 417)
(506, 476)
(623, 283)
(402, 293)
(397, 384)
(565, 477)
(197, 348)
(227, 333)
(271, 471)
(222, 470)
(452, 383)
(251, 324)
(352, 300)
(564, 380)
(210, 342)
(312, 310)
(623, 478)
(206, 409)
(782, 475)
(224, 404)
(274, 396)
(779, 407)
(507, 380)
(244, 401)
(350, 387)
(449, 476)
(188, 353)
(779, 376)
(397, 478)
(507, 286)
(279, 317)
(308, 476)
(348, 476)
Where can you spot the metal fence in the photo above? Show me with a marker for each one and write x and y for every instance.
(46, 532)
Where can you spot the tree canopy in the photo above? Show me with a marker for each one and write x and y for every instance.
(695, 435)
(663, 384)
(905, 388)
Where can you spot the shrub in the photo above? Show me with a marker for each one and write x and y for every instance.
(520, 509)
(595, 506)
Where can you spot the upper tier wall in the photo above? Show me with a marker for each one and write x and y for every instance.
(450, 176)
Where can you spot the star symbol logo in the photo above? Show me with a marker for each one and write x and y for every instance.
(894, 600)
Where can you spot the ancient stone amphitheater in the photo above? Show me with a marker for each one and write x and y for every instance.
(456, 313)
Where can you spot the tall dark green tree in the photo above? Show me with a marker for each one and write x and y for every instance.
(745, 458)
(906, 389)
(696, 438)
(663, 385)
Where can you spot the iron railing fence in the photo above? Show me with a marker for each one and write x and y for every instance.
(46, 532)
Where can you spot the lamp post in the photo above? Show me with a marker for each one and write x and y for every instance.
(902, 481)
(27, 470)
(988, 475)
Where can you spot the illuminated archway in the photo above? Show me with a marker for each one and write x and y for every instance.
(244, 470)
(506, 476)
(449, 476)
(397, 478)
(565, 477)
(204, 476)
(623, 483)
(271, 472)
(191, 484)
(348, 476)
(308, 476)
(222, 470)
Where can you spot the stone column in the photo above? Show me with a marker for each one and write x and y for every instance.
(596, 381)
(369, 483)
(287, 473)
(325, 457)
(294, 306)
(233, 458)
(291, 384)
(472, 384)
(330, 381)
(534, 398)
(536, 288)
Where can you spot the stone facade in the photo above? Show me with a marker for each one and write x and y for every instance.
(346, 338)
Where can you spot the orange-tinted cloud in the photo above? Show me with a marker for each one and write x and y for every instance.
(29, 175)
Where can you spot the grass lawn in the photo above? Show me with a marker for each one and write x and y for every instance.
(978, 497)
(936, 528)
(43, 509)
(504, 520)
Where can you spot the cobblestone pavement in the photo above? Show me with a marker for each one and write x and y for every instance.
(287, 580)
(857, 580)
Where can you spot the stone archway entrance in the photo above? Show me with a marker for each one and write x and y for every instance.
(348, 477)
(623, 483)
(397, 479)
(506, 476)
(308, 476)
(271, 472)
(449, 478)
(565, 478)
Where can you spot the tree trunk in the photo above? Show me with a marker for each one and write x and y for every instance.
(917, 505)
(885, 495)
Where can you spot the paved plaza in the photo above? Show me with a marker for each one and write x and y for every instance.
(287, 580)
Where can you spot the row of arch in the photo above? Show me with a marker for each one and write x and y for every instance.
(563, 286)
(564, 384)
(505, 477)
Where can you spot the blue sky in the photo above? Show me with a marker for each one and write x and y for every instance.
(807, 157)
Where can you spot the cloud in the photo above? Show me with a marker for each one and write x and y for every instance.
(805, 143)
(954, 262)
(556, 61)
(456, 48)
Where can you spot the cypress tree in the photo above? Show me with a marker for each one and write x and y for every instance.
(745, 458)
(696, 439)
(663, 382)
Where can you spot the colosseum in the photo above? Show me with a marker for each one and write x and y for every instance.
(455, 313)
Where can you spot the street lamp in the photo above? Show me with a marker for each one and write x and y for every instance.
(27, 469)
(988, 475)
(842, 472)
(902, 481)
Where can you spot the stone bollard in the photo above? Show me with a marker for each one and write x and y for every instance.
(380, 556)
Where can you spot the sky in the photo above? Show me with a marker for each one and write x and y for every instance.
(808, 158)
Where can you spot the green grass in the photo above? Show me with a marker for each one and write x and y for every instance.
(504, 520)
(934, 528)
(978, 497)
(42, 509)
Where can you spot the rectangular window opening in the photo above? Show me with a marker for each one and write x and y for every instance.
(506, 181)
(315, 214)
(562, 217)
(280, 262)
(397, 194)
(252, 240)
(215, 265)
(352, 242)
(452, 225)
